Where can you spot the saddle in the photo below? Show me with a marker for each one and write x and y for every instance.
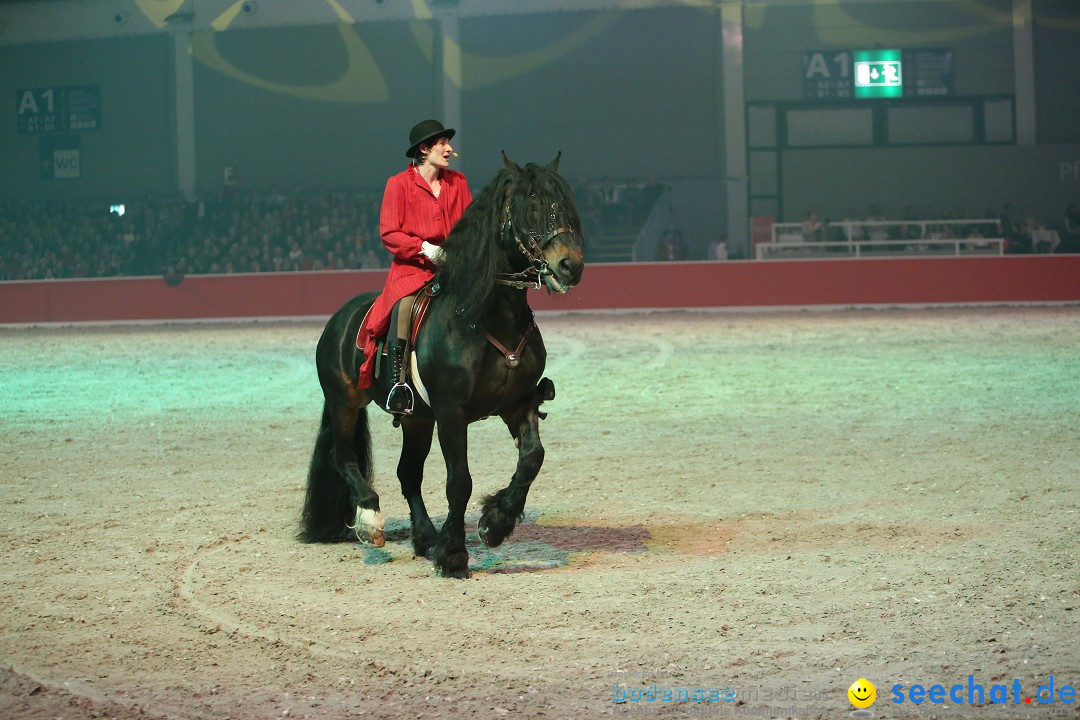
(416, 320)
(545, 390)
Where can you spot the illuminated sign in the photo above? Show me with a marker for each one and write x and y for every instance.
(878, 73)
(847, 74)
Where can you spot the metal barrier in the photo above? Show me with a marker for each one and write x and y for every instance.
(883, 238)
(880, 248)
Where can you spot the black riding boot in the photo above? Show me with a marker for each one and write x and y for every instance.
(400, 399)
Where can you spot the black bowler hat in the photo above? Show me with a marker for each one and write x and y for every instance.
(426, 131)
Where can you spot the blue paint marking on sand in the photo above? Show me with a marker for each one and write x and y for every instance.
(510, 557)
(516, 557)
(531, 548)
(374, 555)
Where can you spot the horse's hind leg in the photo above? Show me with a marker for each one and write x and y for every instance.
(351, 458)
(502, 510)
(416, 443)
(339, 478)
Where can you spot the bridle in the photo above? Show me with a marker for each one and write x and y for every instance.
(532, 248)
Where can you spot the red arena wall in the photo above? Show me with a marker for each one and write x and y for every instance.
(747, 284)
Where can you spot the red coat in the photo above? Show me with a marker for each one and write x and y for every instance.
(410, 215)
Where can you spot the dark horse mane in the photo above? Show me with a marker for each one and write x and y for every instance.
(477, 249)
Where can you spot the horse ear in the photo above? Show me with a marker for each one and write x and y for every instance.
(510, 164)
(553, 166)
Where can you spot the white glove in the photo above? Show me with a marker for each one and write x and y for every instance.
(434, 253)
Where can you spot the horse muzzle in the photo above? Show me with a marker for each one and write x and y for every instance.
(565, 272)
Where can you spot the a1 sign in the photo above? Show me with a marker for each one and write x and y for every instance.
(66, 108)
(827, 75)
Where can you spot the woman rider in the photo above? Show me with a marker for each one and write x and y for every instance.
(419, 206)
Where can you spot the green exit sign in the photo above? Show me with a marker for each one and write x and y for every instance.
(878, 73)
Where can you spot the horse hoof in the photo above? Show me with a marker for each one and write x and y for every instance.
(424, 538)
(370, 527)
(495, 525)
(487, 538)
(453, 564)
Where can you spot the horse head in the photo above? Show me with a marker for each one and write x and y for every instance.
(521, 230)
(540, 228)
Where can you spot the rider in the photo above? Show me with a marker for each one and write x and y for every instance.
(419, 206)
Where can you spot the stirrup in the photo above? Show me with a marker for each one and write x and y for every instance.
(403, 398)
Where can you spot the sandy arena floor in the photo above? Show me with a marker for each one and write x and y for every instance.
(764, 506)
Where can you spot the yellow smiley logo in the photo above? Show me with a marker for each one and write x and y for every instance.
(862, 693)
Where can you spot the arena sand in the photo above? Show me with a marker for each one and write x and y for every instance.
(760, 507)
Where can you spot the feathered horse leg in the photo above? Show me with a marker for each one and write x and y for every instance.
(502, 510)
(340, 493)
(451, 557)
(416, 444)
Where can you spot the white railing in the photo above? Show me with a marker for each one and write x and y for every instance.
(858, 229)
(884, 237)
(800, 248)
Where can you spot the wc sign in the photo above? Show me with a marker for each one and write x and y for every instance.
(60, 158)
(65, 164)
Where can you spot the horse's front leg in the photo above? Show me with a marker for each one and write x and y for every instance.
(416, 443)
(502, 510)
(451, 557)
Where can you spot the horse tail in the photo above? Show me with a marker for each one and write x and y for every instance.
(328, 504)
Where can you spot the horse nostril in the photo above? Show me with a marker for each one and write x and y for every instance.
(570, 269)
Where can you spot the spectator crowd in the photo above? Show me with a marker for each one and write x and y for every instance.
(219, 233)
(244, 232)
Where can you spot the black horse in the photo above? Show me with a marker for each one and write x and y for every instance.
(478, 353)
